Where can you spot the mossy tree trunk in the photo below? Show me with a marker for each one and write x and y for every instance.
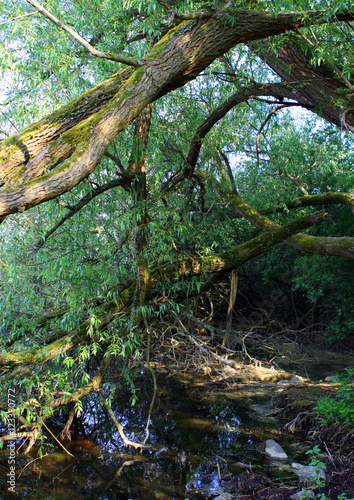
(185, 266)
(139, 192)
(52, 156)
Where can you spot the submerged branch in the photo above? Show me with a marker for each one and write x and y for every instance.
(119, 426)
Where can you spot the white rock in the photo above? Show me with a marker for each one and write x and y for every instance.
(283, 381)
(308, 473)
(274, 450)
(293, 381)
(224, 496)
(301, 495)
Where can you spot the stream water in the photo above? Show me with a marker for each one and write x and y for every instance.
(199, 434)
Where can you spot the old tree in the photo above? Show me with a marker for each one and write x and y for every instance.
(173, 141)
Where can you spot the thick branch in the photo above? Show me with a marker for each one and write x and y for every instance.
(246, 251)
(53, 156)
(319, 86)
(185, 266)
(104, 314)
(312, 200)
(275, 90)
(137, 169)
(322, 245)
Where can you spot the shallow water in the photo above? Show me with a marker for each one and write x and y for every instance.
(196, 433)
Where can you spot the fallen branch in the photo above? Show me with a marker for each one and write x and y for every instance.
(57, 440)
(205, 349)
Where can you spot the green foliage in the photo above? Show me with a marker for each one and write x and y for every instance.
(319, 483)
(318, 281)
(46, 293)
(340, 408)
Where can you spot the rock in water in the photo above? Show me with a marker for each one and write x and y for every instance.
(274, 450)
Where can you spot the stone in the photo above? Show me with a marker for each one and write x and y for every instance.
(308, 473)
(283, 382)
(225, 496)
(293, 381)
(301, 495)
(274, 450)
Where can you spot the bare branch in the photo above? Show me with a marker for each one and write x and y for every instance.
(12, 19)
(81, 204)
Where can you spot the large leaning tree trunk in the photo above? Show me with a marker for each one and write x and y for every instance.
(322, 87)
(53, 155)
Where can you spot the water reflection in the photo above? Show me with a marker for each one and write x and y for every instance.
(193, 436)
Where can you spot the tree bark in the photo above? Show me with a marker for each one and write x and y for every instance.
(318, 86)
(323, 245)
(52, 156)
(139, 192)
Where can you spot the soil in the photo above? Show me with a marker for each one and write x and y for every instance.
(339, 482)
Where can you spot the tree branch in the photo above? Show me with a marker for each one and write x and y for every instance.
(312, 200)
(343, 246)
(82, 41)
(123, 182)
(272, 89)
(54, 155)
(183, 267)
(316, 85)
